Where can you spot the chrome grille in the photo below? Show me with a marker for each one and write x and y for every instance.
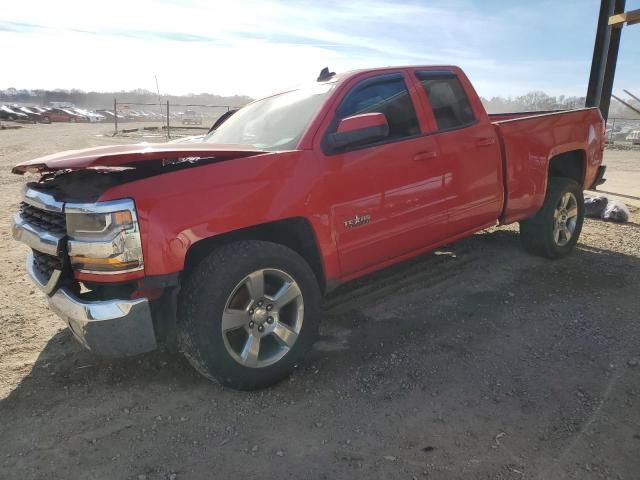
(45, 264)
(53, 222)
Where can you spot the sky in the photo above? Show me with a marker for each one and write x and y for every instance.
(258, 47)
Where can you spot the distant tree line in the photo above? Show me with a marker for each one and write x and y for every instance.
(537, 101)
(102, 100)
(532, 101)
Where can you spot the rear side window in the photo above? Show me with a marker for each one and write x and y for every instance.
(449, 101)
(388, 95)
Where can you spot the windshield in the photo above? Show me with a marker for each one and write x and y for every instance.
(273, 123)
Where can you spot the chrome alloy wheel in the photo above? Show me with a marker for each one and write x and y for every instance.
(565, 218)
(262, 318)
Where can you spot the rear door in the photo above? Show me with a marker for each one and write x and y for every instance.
(388, 193)
(468, 146)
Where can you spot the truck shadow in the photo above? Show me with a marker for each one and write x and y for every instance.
(64, 369)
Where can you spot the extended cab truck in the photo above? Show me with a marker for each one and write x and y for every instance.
(228, 244)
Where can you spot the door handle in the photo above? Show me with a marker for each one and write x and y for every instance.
(422, 156)
(485, 142)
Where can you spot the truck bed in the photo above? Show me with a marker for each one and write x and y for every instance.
(530, 140)
(499, 117)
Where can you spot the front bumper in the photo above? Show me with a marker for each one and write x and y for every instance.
(116, 327)
(107, 327)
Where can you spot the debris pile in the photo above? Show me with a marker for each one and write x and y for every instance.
(606, 209)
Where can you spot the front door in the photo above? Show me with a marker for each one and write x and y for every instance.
(390, 193)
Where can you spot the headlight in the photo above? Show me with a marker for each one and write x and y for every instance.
(104, 237)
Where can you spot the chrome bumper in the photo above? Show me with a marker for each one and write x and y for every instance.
(46, 285)
(107, 327)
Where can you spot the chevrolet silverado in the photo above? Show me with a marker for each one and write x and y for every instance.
(225, 246)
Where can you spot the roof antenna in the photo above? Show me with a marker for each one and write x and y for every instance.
(159, 102)
(325, 74)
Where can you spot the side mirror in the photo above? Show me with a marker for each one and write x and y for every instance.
(359, 130)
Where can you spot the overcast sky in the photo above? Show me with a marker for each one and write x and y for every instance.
(256, 47)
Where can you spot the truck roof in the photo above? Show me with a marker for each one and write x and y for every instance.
(341, 77)
(345, 76)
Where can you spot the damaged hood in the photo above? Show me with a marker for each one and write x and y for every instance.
(134, 156)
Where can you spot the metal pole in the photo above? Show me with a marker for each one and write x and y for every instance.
(612, 60)
(631, 95)
(168, 128)
(605, 57)
(626, 104)
(598, 62)
(115, 116)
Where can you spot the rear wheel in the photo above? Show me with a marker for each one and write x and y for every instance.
(248, 313)
(554, 231)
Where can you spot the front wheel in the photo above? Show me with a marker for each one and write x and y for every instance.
(248, 313)
(554, 231)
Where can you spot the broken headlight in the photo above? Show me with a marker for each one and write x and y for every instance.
(104, 237)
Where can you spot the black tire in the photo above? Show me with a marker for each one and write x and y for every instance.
(537, 232)
(203, 299)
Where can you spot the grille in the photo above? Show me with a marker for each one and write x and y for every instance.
(45, 264)
(53, 222)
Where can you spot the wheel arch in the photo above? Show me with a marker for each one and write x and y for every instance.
(570, 164)
(295, 233)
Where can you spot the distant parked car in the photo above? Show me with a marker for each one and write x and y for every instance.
(90, 116)
(108, 114)
(131, 115)
(191, 117)
(64, 115)
(33, 114)
(634, 137)
(8, 113)
(201, 138)
(79, 117)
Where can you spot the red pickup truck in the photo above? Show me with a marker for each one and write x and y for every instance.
(228, 244)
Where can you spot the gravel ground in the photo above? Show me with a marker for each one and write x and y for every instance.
(477, 361)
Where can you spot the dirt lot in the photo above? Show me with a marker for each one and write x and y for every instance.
(477, 361)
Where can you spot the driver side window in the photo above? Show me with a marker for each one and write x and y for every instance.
(388, 96)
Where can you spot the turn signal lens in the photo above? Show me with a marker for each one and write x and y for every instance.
(87, 264)
(122, 218)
